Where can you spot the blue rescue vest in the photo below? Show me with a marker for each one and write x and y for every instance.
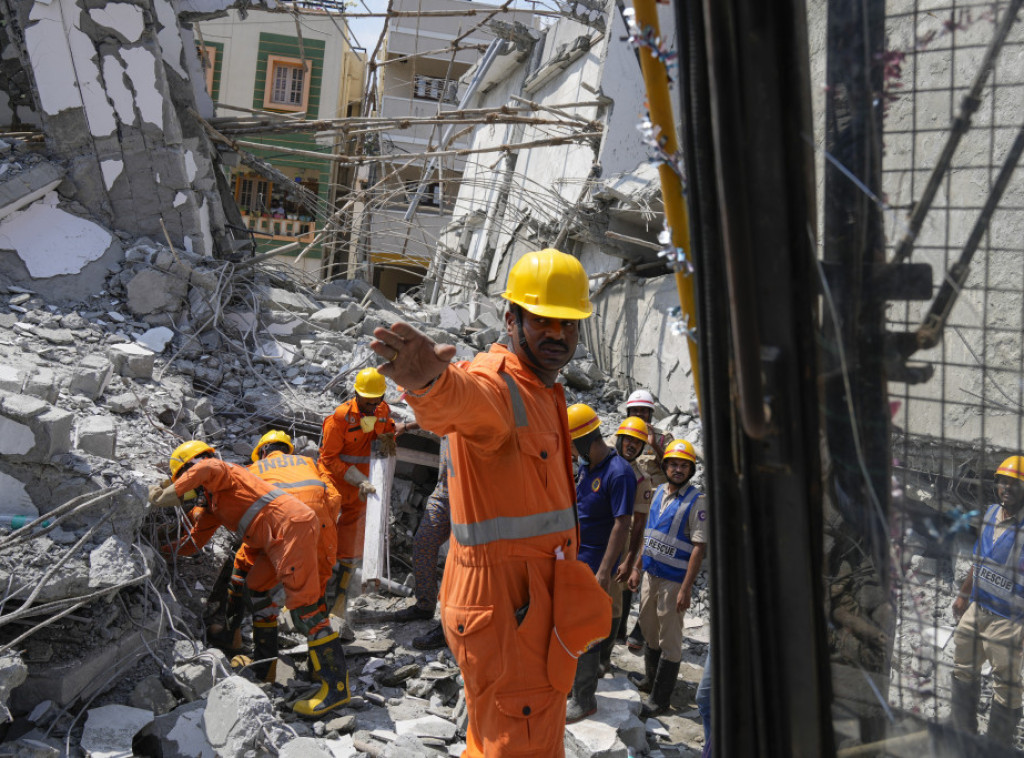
(667, 545)
(998, 583)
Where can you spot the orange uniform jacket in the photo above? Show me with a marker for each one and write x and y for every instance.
(344, 444)
(512, 504)
(299, 476)
(280, 536)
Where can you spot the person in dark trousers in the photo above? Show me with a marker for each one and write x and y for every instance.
(605, 490)
(434, 530)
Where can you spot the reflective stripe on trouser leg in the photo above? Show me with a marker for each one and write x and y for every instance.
(264, 609)
(312, 620)
(345, 569)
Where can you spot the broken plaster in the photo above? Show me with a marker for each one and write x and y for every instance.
(111, 170)
(50, 241)
(126, 20)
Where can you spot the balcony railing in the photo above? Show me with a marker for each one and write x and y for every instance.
(280, 229)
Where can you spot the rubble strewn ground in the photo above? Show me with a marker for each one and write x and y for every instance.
(102, 639)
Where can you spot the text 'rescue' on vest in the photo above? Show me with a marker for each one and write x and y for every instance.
(667, 547)
(998, 569)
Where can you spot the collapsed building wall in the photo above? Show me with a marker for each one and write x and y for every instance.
(111, 86)
(597, 199)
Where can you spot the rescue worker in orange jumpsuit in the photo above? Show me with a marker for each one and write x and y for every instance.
(344, 464)
(514, 528)
(280, 537)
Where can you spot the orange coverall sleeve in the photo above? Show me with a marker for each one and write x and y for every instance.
(330, 448)
(204, 525)
(472, 404)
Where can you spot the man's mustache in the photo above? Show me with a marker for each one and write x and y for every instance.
(557, 343)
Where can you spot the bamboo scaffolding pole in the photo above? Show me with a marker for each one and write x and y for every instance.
(659, 104)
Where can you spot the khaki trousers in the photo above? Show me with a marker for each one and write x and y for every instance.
(981, 636)
(660, 622)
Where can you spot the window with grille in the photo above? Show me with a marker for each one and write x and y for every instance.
(287, 85)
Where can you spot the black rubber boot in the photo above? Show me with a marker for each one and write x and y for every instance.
(651, 659)
(635, 640)
(1002, 724)
(606, 649)
(620, 631)
(661, 693)
(431, 640)
(327, 656)
(264, 650)
(583, 701)
(964, 704)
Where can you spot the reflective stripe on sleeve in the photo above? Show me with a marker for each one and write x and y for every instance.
(353, 458)
(298, 485)
(514, 527)
(252, 510)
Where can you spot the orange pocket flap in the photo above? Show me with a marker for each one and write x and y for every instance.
(526, 703)
(465, 620)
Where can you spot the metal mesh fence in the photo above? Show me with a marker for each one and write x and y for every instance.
(957, 406)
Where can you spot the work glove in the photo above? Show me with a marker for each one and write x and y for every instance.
(357, 478)
(388, 446)
(163, 497)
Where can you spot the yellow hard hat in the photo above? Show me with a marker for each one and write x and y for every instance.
(551, 284)
(680, 449)
(370, 383)
(274, 435)
(185, 452)
(582, 420)
(633, 427)
(1012, 467)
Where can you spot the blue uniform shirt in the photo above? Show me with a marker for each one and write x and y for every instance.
(602, 495)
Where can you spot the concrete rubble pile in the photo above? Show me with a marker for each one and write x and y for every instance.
(93, 397)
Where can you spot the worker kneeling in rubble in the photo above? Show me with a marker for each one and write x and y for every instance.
(516, 606)
(674, 544)
(279, 534)
(990, 613)
(344, 464)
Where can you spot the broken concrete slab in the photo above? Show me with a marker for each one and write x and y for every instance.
(272, 350)
(28, 185)
(153, 291)
(338, 318)
(109, 730)
(126, 402)
(306, 747)
(42, 383)
(201, 673)
(12, 379)
(176, 734)
(64, 681)
(239, 717)
(33, 429)
(615, 731)
(112, 563)
(91, 376)
(13, 673)
(427, 726)
(133, 361)
(151, 695)
(155, 339)
(97, 435)
(278, 299)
